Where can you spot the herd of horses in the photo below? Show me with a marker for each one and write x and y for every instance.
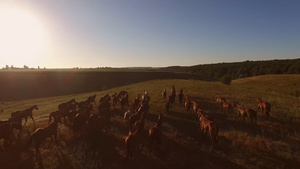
(85, 121)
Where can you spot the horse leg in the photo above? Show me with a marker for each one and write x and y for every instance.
(32, 119)
(25, 121)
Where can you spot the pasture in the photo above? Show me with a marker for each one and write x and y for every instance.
(273, 142)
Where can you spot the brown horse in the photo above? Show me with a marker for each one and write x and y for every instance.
(187, 105)
(180, 96)
(66, 104)
(244, 112)
(264, 106)
(195, 107)
(210, 126)
(227, 106)
(6, 132)
(155, 135)
(219, 100)
(42, 134)
(25, 113)
(134, 117)
(164, 94)
(133, 140)
(171, 99)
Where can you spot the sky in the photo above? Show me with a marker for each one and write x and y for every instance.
(146, 33)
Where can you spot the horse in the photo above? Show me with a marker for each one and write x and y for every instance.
(210, 126)
(264, 106)
(42, 134)
(146, 97)
(195, 106)
(187, 105)
(164, 94)
(25, 113)
(87, 102)
(64, 105)
(65, 112)
(15, 123)
(155, 134)
(244, 112)
(227, 106)
(6, 132)
(136, 116)
(173, 91)
(180, 96)
(219, 100)
(123, 102)
(135, 102)
(127, 114)
(133, 140)
(115, 99)
(171, 99)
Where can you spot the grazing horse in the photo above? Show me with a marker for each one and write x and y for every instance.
(180, 96)
(264, 106)
(155, 135)
(210, 126)
(244, 112)
(25, 113)
(187, 105)
(41, 134)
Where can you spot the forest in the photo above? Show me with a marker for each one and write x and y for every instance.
(244, 69)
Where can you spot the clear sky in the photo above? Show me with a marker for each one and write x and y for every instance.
(151, 33)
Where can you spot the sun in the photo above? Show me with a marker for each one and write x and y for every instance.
(23, 39)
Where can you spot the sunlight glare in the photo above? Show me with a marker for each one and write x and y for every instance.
(23, 39)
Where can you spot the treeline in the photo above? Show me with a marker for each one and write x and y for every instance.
(242, 69)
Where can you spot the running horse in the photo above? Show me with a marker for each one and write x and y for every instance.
(264, 106)
(41, 134)
(25, 113)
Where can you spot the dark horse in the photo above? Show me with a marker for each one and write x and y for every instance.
(25, 113)
(41, 134)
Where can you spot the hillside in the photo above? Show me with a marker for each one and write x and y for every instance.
(29, 84)
(272, 143)
(241, 69)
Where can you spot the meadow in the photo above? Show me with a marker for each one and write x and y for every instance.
(273, 143)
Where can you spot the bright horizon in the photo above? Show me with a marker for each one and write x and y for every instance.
(90, 34)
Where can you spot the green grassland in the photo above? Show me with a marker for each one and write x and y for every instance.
(272, 143)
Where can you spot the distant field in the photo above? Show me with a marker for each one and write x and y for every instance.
(272, 143)
(29, 84)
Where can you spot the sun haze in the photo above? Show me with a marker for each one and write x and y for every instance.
(23, 39)
(71, 33)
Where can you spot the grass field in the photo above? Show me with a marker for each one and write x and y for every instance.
(272, 143)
